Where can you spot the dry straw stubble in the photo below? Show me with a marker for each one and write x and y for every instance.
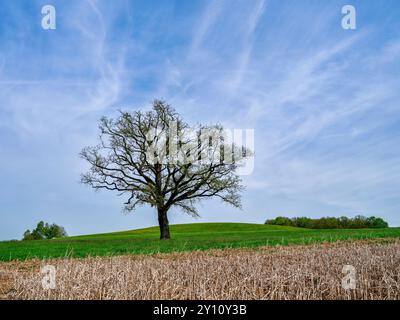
(294, 272)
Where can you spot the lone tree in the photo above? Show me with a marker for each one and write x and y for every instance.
(155, 158)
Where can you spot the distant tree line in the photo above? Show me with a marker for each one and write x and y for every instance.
(358, 222)
(45, 231)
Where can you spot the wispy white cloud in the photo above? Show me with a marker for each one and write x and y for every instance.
(53, 101)
(307, 104)
(323, 101)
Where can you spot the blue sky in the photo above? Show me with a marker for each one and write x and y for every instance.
(324, 102)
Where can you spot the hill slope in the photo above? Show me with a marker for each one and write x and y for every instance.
(186, 237)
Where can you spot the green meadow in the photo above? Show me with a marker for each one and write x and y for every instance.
(186, 237)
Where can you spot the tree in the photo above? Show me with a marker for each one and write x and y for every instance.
(303, 222)
(54, 231)
(45, 231)
(28, 235)
(374, 222)
(156, 158)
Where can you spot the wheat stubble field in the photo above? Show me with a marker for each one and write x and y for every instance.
(283, 272)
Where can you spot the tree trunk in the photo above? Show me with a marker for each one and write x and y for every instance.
(164, 224)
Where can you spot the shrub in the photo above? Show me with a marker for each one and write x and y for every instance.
(45, 231)
(280, 221)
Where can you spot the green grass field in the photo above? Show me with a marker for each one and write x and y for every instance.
(199, 236)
